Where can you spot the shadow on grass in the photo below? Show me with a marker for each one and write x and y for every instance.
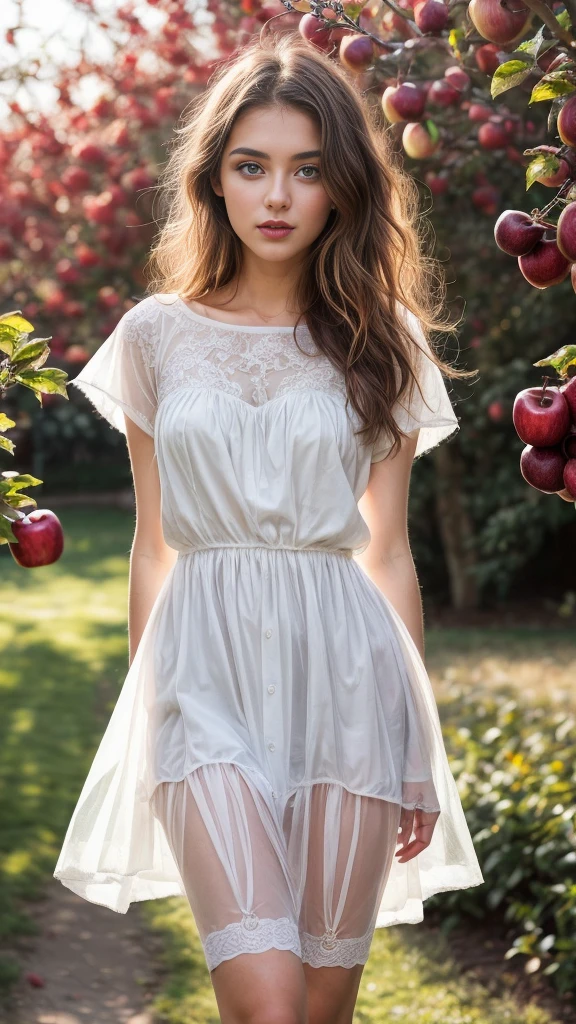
(65, 655)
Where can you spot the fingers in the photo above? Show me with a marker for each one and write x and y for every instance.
(420, 822)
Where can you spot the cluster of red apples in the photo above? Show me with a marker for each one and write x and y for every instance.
(545, 261)
(545, 419)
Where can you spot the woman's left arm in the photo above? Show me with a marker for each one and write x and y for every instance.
(388, 559)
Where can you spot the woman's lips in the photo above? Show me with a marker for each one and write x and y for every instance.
(275, 232)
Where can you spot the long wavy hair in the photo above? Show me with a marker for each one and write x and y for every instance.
(367, 262)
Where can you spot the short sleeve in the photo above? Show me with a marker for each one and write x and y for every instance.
(432, 415)
(120, 377)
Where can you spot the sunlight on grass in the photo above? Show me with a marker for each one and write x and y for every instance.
(539, 663)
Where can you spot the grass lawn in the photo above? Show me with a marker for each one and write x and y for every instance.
(64, 639)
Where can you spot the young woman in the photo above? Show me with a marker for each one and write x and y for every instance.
(277, 725)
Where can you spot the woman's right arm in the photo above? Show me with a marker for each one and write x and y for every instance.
(150, 558)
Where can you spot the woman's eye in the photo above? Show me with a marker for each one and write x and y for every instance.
(242, 166)
(307, 167)
(311, 167)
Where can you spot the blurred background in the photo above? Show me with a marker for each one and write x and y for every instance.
(90, 94)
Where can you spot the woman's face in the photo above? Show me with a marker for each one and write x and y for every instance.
(270, 171)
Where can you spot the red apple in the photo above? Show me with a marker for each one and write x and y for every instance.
(312, 29)
(404, 102)
(86, 256)
(543, 468)
(492, 135)
(356, 52)
(457, 77)
(541, 418)
(544, 265)
(566, 232)
(90, 152)
(437, 183)
(443, 93)
(486, 198)
(487, 58)
(566, 123)
(76, 179)
(498, 23)
(36, 980)
(516, 233)
(478, 112)
(40, 538)
(418, 142)
(570, 477)
(569, 392)
(495, 411)
(431, 16)
(551, 59)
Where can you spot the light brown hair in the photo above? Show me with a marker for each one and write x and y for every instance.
(367, 260)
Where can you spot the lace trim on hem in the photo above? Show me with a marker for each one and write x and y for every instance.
(252, 934)
(328, 951)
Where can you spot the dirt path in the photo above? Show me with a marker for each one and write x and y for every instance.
(97, 966)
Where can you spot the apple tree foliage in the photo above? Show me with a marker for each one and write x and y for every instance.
(77, 208)
(22, 364)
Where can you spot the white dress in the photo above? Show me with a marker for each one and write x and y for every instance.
(277, 713)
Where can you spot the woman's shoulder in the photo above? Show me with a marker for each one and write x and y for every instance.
(143, 324)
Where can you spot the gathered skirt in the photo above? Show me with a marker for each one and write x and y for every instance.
(275, 720)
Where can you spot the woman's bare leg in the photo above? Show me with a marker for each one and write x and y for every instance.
(332, 993)
(344, 843)
(261, 988)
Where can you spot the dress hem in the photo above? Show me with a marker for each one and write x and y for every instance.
(276, 795)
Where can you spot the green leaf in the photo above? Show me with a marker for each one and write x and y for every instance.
(456, 34)
(5, 422)
(49, 381)
(432, 129)
(549, 90)
(7, 445)
(542, 166)
(16, 321)
(561, 359)
(19, 500)
(508, 75)
(563, 19)
(32, 354)
(536, 45)
(6, 531)
(16, 481)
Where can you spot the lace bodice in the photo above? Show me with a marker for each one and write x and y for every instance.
(161, 346)
(254, 365)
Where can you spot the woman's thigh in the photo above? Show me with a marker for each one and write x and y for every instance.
(304, 889)
(228, 845)
(341, 846)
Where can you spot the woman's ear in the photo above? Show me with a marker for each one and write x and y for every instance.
(215, 182)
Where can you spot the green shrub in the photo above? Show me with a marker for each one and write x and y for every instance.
(514, 763)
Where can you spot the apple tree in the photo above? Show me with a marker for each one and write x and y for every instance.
(35, 538)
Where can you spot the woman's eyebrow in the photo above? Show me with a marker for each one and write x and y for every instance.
(266, 156)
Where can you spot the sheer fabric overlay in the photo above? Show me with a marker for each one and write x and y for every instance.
(277, 714)
(309, 880)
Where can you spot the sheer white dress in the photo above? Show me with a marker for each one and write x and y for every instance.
(277, 713)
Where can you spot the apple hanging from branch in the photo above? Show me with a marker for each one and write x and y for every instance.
(35, 538)
(545, 419)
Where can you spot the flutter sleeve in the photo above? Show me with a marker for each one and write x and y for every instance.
(432, 415)
(120, 377)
